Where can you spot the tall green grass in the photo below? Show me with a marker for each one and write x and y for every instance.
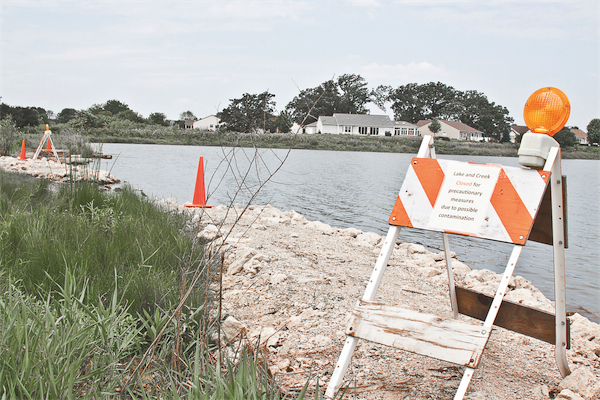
(89, 287)
(97, 234)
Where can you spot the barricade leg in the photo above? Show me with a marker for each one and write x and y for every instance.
(351, 342)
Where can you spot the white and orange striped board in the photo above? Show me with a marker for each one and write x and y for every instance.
(481, 200)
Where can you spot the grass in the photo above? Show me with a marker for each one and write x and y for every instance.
(90, 285)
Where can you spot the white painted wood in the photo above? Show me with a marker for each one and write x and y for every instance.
(501, 291)
(429, 335)
(464, 384)
(381, 264)
(451, 287)
(558, 244)
(342, 365)
(426, 148)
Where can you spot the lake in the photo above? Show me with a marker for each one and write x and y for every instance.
(355, 189)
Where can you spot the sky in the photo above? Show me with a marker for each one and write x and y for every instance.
(174, 56)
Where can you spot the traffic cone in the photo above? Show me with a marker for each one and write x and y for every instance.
(23, 153)
(48, 145)
(199, 193)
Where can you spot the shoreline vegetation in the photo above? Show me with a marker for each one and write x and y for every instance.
(384, 144)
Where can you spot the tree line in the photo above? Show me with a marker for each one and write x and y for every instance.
(347, 94)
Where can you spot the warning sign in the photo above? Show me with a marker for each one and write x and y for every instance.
(464, 197)
(482, 200)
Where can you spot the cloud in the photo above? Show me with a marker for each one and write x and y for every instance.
(412, 71)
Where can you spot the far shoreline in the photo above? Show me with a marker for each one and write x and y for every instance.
(378, 144)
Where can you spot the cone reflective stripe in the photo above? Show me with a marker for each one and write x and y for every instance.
(23, 152)
(199, 192)
(481, 200)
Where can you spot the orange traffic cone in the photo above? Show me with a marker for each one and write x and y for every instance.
(23, 153)
(199, 193)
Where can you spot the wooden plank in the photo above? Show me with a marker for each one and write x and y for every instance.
(429, 335)
(518, 318)
(541, 231)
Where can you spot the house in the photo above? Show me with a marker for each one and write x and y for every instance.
(582, 137)
(360, 124)
(188, 124)
(517, 131)
(210, 123)
(452, 130)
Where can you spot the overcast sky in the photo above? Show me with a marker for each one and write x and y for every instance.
(173, 56)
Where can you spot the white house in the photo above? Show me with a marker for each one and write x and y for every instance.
(516, 131)
(452, 130)
(582, 137)
(210, 123)
(360, 124)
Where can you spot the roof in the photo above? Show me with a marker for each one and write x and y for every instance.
(454, 124)
(520, 129)
(359, 120)
(579, 133)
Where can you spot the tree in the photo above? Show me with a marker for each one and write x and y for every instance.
(593, 131)
(284, 122)
(435, 126)
(130, 115)
(158, 118)
(250, 113)
(347, 95)
(115, 107)
(565, 137)
(187, 115)
(66, 115)
(354, 94)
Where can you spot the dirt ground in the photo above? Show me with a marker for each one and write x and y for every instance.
(293, 283)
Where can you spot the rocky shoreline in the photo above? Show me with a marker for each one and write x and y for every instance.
(291, 283)
(50, 169)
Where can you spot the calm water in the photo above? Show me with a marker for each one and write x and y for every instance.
(352, 189)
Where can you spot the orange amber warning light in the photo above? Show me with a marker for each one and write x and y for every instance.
(547, 111)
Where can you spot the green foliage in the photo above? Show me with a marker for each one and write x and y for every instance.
(66, 115)
(187, 115)
(24, 116)
(348, 95)
(158, 118)
(413, 102)
(565, 137)
(593, 131)
(8, 135)
(250, 113)
(97, 231)
(114, 107)
(435, 126)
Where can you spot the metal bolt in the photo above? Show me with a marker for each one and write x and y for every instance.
(414, 162)
(563, 323)
(483, 332)
(544, 176)
(393, 218)
(560, 242)
(521, 237)
(558, 181)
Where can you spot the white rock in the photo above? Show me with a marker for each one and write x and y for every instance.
(320, 226)
(351, 232)
(233, 328)
(277, 279)
(209, 232)
(238, 265)
(416, 248)
(582, 382)
(568, 395)
(370, 237)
